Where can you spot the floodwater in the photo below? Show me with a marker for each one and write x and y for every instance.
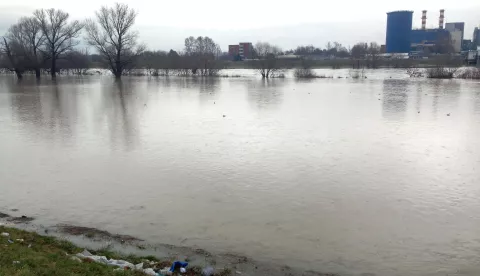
(348, 176)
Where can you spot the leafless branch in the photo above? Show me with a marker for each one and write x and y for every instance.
(113, 37)
(59, 35)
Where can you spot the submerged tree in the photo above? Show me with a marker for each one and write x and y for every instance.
(26, 38)
(359, 50)
(113, 37)
(267, 62)
(154, 61)
(373, 55)
(12, 61)
(59, 34)
(202, 53)
(77, 61)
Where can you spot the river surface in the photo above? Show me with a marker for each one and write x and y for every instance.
(334, 175)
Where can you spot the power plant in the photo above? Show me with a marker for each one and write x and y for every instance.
(399, 28)
(447, 38)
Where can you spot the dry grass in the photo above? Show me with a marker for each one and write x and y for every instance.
(440, 73)
(470, 73)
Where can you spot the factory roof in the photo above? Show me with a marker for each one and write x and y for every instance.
(399, 11)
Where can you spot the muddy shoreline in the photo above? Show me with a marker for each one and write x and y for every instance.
(93, 238)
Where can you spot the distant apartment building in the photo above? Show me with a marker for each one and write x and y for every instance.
(244, 50)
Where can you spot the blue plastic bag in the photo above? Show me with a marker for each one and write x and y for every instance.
(178, 264)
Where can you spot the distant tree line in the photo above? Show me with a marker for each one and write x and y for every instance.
(49, 42)
(332, 49)
(200, 57)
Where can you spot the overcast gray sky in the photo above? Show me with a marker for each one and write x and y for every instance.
(165, 24)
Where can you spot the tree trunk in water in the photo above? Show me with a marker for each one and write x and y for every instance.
(37, 73)
(118, 64)
(19, 74)
(53, 70)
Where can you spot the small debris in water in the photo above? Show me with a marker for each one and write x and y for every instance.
(448, 114)
(4, 234)
(224, 116)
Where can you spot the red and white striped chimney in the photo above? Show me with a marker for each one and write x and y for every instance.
(424, 19)
(441, 19)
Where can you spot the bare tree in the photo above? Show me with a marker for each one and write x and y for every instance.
(59, 34)
(27, 38)
(359, 50)
(202, 53)
(373, 55)
(13, 62)
(267, 62)
(115, 40)
(77, 61)
(358, 53)
(154, 61)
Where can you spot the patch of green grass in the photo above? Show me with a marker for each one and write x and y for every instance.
(46, 256)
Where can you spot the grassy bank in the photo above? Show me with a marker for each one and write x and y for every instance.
(33, 254)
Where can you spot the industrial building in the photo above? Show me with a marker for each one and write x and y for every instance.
(399, 28)
(457, 31)
(233, 50)
(402, 39)
(429, 40)
(476, 38)
(244, 50)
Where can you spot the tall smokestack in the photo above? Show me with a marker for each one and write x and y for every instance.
(441, 19)
(424, 19)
